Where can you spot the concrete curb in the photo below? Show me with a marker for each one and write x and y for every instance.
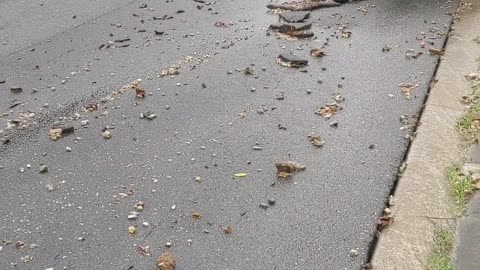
(421, 197)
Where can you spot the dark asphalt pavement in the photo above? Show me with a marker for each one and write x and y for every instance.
(76, 213)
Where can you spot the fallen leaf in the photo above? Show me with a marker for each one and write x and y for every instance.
(383, 222)
(316, 140)
(286, 168)
(338, 98)
(328, 110)
(197, 215)
(407, 89)
(434, 51)
(228, 230)
(346, 33)
(240, 174)
(139, 92)
(248, 71)
(317, 52)
(166, 261)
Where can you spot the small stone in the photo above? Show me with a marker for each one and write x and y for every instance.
(309, 91)
(84, 123)
(258, 148)
(145, 224)
(354, 253)
(43, 168)
(173, 207)
(32, 246)
(68, 149)
(391, 200)
(168, 244)
(107, 134)
(198, 178)
(189, 241)
(50, 187)
(387, 211)
(263, 205)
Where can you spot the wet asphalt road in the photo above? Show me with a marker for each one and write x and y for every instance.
(76, 213)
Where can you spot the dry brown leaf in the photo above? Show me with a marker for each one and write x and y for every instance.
(328, 110)
(228, 230)
(286, 168)
(407, 89)
(139, 92)
(317, 52)
(434, 51)
(346, 33)
(248, 71)
(166, 261)
(383, 222)
(316, 140)
(338, 98)
(197, 215)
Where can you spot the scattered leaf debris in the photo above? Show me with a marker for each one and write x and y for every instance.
(407, 89)
(316, 140)
(240, 175)
(317, 52)
(328, 110)
(290, 60)
(435, 51)
(287, 168)
(248, 71)
(197, 216)
(166, 261)
(303, 5)
(227, 230)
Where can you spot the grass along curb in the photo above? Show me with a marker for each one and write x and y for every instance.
(440, 258)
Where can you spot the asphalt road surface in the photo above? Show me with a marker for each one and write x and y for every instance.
(70, 55)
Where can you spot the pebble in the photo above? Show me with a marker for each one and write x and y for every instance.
(173, 207)
(107, 134)
(353, 253)
(50, 187)
(43, 169)
(264, 205)
(391, 201)
(168, 244)
(257, 148)
(189, 241)
(145, 224)
(68, 149)
(84, 123)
